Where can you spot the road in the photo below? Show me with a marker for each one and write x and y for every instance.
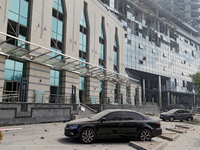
(50, 136)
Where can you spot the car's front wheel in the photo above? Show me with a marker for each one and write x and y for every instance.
(145, 135)
(171, 119)
(87, 136)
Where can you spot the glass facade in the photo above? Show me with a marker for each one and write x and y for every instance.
(57, 28)
(18, 21)
(83, 36)
(82, 83)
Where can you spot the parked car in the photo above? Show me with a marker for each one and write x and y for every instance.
(177, 114)
(115, 123)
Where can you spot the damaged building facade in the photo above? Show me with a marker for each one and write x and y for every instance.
(63, 51)
(161, 49)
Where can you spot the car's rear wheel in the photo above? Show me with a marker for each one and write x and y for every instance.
(171, 119)
(145, 135)
(87, 136)
(189, 119)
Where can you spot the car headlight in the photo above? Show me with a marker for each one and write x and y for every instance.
(73, 126)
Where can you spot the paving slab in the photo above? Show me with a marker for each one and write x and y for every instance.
(169, 136)
(151, 145)
(184, 126)
(177, 129)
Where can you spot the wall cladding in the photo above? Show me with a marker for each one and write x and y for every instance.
(31, 113)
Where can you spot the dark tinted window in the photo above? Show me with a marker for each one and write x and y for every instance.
(132, 116)
(114, 116)
(129, 116)
(180, 111)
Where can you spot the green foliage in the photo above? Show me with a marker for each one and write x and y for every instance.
(196, 80)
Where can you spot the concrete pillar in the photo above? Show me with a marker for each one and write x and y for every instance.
(159, 92)
(168, 98)
(143, 93)
(172, 99)
(194, 100)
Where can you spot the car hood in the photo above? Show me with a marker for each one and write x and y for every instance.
(78, 121)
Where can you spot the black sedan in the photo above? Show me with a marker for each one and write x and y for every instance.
(177, 114)
(115, 123)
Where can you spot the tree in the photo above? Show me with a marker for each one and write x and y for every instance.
(196, 80)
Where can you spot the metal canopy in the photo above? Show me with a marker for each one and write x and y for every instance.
(41, 55)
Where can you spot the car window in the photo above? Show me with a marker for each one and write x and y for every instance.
(129, 116)
(132, 116)
(180, 111)
(114, 116)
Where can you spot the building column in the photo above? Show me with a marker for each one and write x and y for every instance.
(172, 99)
(143, 93)
(194, 100)
(159, 92)
(149, 84)
(2, 67)
(168, 98)
(177, 99)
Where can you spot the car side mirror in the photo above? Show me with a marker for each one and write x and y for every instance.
(103, 119)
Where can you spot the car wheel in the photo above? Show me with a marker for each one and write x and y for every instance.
(145, 135)
(87, 136)
(189, 119)
(171, 119)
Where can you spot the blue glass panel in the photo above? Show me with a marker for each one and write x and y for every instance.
(18, 66)
(60, 9)
(52, 81)
(54, 24)
(17, 75)
(13, 16)
(80, 38)
(57, 74)
(56, 1)
(21, 42)
(8, 75)
(55, 5)
(60, 2)
(23, 21)
(52, 73)
(56, 82)
(14, 6)
(60, 27)
(9, 64)
(53, 34)
(84, 40)
(84, 49)
(59, 37)
(24, 8)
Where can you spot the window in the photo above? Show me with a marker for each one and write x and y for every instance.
(82, 83)
(115, 48)
(13, 70)
(83, 35)
(114, 116)
(130, 116)
(55, 86)
(57, 28)
(102, 46)
(18, 21)
(183, 83)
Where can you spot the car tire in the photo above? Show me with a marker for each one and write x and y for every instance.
(171, 119)
(87, 136)
(145, 135)
(189, 119)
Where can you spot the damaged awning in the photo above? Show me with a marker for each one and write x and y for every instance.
(39, 54)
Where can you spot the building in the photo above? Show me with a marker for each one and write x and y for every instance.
(161, 50)
(63, 51)
(187, 10)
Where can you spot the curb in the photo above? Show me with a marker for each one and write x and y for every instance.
(170, 138)
(178, 131)
(138, 147)
(182, 126)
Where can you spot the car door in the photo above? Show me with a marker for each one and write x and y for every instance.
(179, 115)
(130, 124)
(110, 128)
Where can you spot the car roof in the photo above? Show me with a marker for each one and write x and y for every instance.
(116, 110)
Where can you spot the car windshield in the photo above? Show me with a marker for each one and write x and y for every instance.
(172, 111)
(99, 115)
